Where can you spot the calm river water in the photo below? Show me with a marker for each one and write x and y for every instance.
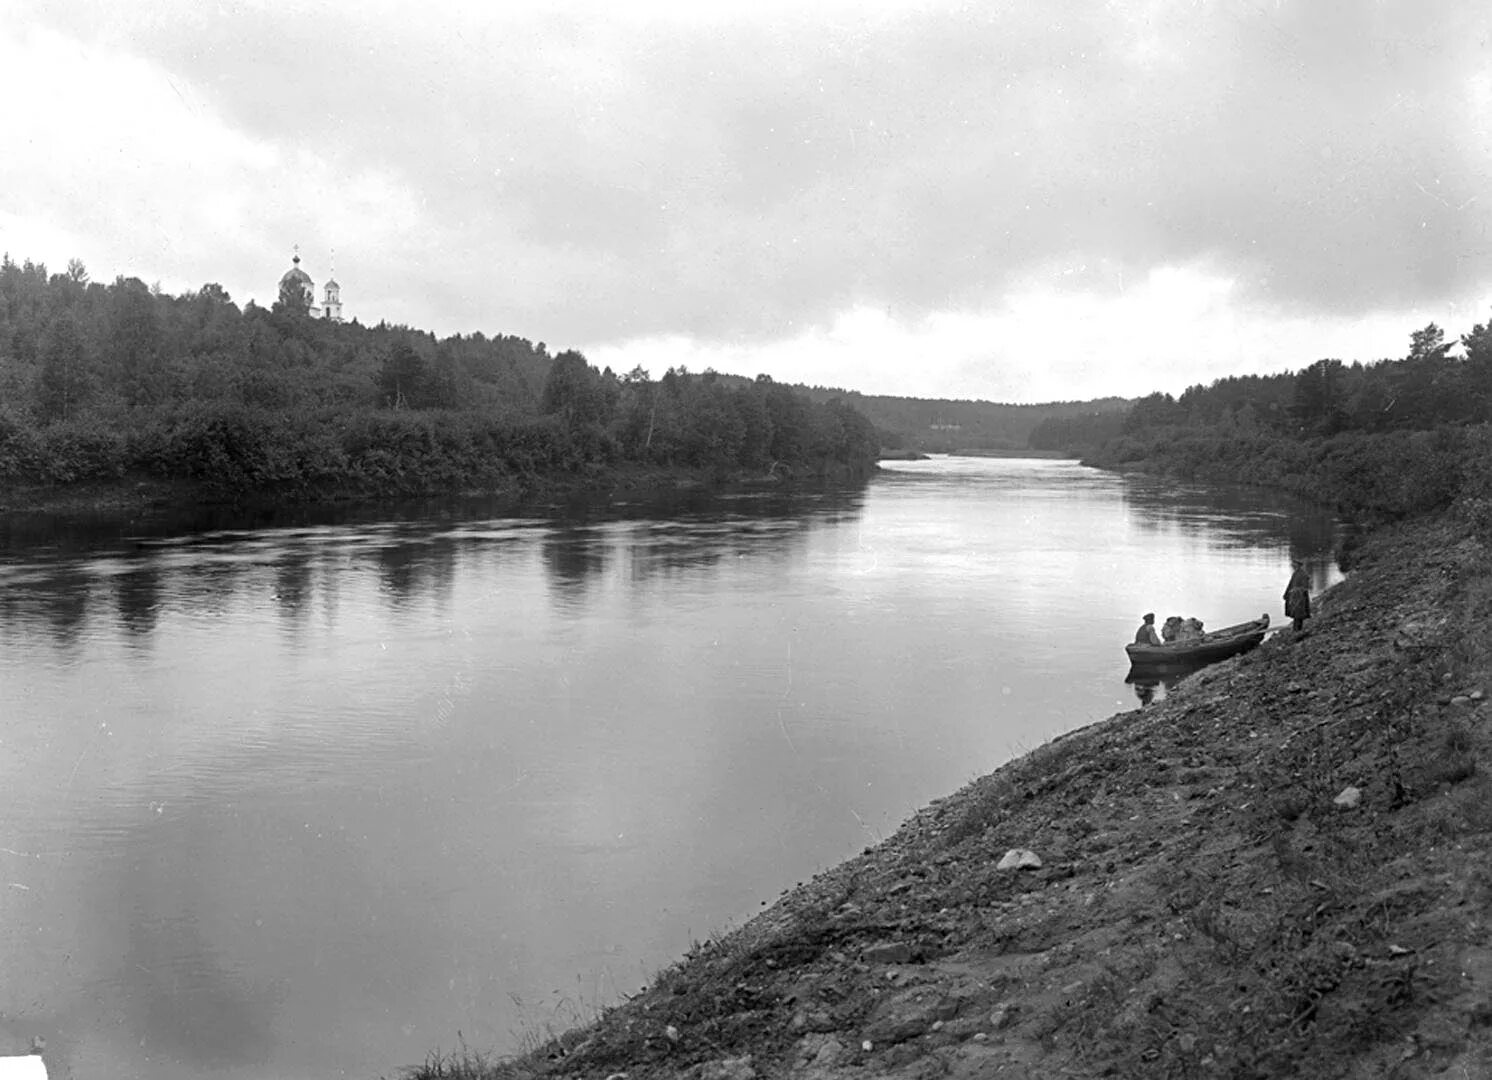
(306, 797)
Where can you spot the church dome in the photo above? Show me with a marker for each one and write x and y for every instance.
(295, 273)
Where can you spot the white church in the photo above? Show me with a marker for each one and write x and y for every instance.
(330, 307)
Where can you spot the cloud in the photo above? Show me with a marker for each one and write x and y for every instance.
(1170, 329)
(744, 176)
(133, 168)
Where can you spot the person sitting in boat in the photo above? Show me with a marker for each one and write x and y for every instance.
(1298, 596)
(1146, 634)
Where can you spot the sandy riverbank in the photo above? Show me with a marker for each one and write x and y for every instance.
(1205, 905)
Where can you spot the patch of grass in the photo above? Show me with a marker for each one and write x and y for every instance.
(1451, 759)
(984, 808)
(464, 1064)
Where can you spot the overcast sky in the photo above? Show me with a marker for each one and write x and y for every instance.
(1004, 200)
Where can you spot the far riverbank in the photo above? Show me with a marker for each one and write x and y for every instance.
(144, 495)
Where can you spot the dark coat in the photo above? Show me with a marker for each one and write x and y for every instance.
(1298, 595)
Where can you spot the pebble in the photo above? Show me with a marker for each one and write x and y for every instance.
(1348, 799)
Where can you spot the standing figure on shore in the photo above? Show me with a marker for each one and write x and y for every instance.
(1146, 634)
(1298, 596)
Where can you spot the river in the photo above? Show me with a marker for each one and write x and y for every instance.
(307, 794)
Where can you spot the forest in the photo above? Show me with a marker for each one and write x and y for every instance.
(1377, 440)
(108, 384)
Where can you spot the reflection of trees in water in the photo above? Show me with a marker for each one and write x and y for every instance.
(66, 608)
(657, 535)
(574, 554)
(137, 597)
(293, 589)
(664, 549)
(292, 581)
(206, 588)
(673, 534)
(413, 566)
(59, 602)
(1248, 517)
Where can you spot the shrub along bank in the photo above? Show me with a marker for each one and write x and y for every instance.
(232, 454)
(1378, 441)
(1367, 476)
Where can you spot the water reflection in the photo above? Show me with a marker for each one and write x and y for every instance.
(382, 773)
(207, 588)
(574, 553)
(413, 565)
(297, 561)
(60, 605)
(1151, 682)
(292, 582)
(137, 596)
(1235, 516)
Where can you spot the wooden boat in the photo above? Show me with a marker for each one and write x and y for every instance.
(1207, 649)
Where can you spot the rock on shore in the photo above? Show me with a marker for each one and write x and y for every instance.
(1206, 903)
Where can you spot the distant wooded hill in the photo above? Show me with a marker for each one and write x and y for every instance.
(940, 425)
(944, 425)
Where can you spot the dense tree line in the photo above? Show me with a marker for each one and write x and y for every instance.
(1080, 432)
(1387, 438)
(100, 383)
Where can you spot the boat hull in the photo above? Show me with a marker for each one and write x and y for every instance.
(1208, 649)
